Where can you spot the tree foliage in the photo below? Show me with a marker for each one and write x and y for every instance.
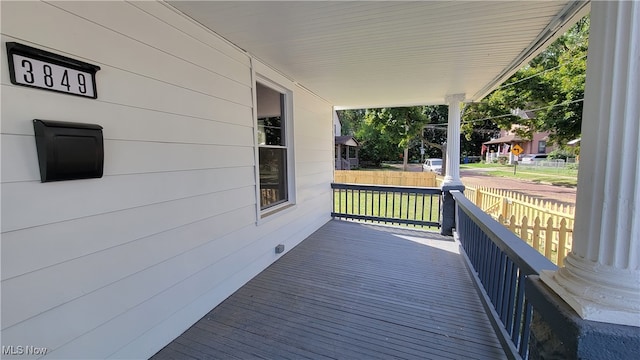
(351, 121)
(552, 85)
(384, 133)
(398, 125)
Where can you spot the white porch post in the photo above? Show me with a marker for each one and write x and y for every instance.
(452, 176)
(452, 170)
(601, 276)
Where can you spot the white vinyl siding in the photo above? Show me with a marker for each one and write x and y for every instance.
(119, 266)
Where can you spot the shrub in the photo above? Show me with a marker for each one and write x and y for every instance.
(560, 154)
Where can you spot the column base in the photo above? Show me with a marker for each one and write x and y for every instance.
(558, 332)
(449, 209)
(597, 292)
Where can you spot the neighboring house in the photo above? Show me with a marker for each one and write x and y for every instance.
(501, 146)
(337, 124)
(346, 152)
(345, 147)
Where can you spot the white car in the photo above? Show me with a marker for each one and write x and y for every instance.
(433, 165)
(533, 158)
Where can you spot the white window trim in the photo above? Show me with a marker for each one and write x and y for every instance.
(270, 213)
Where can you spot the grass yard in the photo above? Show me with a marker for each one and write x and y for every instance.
(479, 166)
(559, 171)
(537, 175)
(561, 176)
(388, 206)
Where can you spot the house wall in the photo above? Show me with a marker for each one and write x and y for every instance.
(119, 266)
(531, 147)
(537, 137)
(337, 125)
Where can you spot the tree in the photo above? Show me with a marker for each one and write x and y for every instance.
(388, 134)
(350, 120)
(400, 125)
(375, 146)
(552, 85)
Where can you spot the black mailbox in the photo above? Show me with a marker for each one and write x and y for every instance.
(68, 150)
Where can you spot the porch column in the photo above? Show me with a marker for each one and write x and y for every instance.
(452, 169)
(601, 276)
(452, 176)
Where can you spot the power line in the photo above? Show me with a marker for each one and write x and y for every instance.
(539, 73)
(507, 115)
(537, 109)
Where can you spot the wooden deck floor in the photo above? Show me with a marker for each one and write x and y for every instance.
(350, 291)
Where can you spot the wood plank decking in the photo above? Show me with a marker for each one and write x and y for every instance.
(350, 291)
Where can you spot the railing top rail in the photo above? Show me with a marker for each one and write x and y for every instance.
(389, 188)
(525, 257)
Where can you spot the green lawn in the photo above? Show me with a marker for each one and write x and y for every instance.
(395, 206)
(559, 171)
(478, 166)
(562, 176)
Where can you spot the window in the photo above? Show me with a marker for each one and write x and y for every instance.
(272, 146)
(542, 147)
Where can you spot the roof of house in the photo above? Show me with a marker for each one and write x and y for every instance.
(505, 139)
(346, 140)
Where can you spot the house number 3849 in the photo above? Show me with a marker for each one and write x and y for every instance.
(37, 73)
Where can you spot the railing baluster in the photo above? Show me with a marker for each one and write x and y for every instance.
(393, 205)
(485, 260)
(492, 272)
(365, 202)
(379, 209)
(408, 206)
(422, 196)
(526, 330)
(512, 277)
(386, 205)
(417, 210)
(518, 316)
(501, 283)
(352, 201)
(399, 205)
(439, 202)
(345, 199)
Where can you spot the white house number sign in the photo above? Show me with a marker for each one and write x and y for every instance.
(44, 70)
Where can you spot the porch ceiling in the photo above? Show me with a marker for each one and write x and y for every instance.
(370, 54)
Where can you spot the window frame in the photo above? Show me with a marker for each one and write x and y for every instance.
(287, 125)
(544, 149)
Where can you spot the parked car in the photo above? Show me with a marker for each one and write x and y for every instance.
(433, 165)
(533, 158)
